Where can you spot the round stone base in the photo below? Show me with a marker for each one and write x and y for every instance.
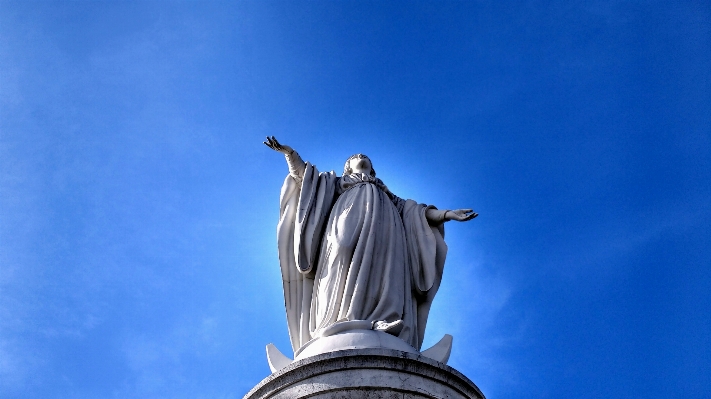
(366, 373)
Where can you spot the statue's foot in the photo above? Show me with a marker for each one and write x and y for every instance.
(393, 328)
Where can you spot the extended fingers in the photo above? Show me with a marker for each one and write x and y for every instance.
(470, 216)
(463, 215)
(272, 143)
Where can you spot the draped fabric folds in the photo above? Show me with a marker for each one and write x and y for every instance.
(351, 250)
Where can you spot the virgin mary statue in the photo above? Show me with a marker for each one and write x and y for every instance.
(352, 251)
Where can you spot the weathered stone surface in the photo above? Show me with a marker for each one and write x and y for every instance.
(366, 373)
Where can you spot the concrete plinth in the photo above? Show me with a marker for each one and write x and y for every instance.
(366, 373)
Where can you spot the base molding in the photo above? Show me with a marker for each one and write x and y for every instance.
(366, 373)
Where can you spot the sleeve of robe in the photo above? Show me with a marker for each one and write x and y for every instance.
(304, 209)
(427, 252)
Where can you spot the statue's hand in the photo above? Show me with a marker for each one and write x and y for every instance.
(461, 215)
(274, 145)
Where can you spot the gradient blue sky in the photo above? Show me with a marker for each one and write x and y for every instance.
(138, 206)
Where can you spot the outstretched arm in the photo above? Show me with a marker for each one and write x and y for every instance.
(441, 216)
(296, 164)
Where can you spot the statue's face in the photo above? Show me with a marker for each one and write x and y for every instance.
(360, 164)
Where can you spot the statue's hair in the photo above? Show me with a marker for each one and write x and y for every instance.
(347, 167)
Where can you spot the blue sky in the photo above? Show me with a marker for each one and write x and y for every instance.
(138, 207)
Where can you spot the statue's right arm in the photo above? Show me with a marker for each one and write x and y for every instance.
(293, 160)
(297, 166)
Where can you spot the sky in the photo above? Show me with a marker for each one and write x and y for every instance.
(138, 205)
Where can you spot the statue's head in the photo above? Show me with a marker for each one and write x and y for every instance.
(358, 163)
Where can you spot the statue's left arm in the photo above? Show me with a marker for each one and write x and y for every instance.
(433, 215)
(436, 216)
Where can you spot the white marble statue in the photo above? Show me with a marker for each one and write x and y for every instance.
(354, 255)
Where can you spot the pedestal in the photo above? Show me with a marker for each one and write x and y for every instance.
(366, 373)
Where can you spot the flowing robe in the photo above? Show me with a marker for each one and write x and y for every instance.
(351, 250)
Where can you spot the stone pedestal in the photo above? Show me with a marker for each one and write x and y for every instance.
(366, 373)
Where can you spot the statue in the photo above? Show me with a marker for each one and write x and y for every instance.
(355, 255)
